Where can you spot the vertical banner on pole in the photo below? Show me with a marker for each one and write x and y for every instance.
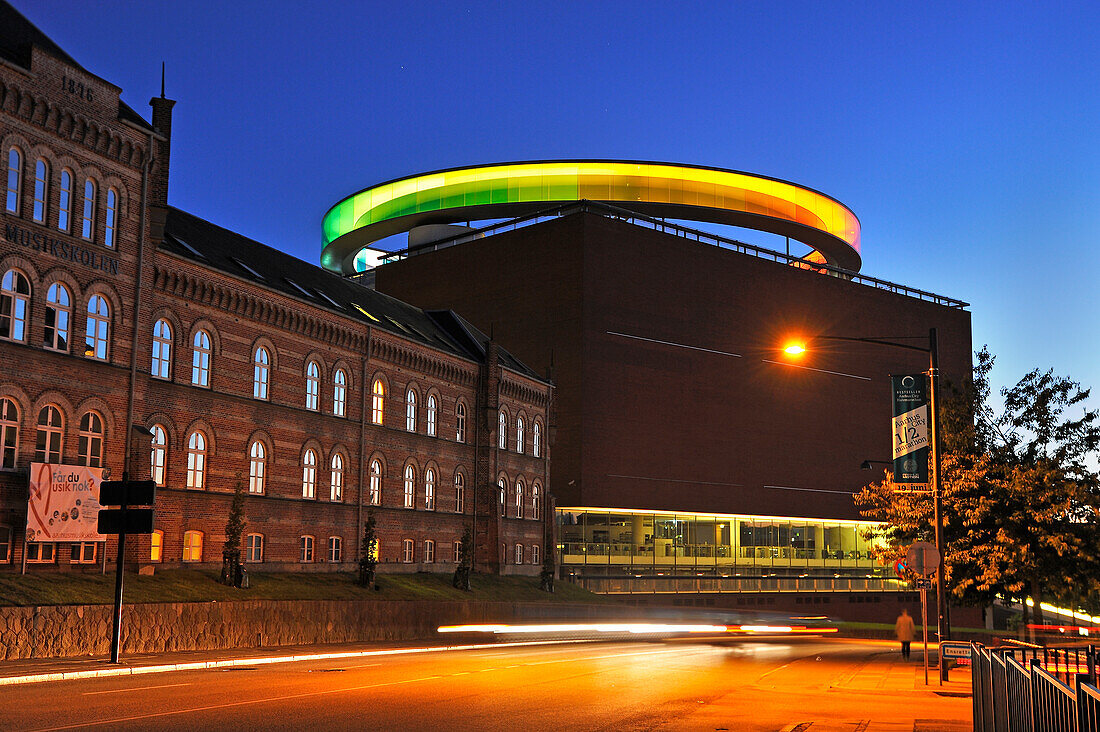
(910, 431)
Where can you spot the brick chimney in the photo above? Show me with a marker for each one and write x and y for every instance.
(158, 183)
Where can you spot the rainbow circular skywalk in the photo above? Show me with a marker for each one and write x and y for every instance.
(663, 190)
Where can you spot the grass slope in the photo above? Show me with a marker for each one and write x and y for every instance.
(179, 585)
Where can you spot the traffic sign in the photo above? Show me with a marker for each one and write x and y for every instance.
(129, 521)
(923, 584)
(901, 568)
(954, 650)
(127, 492)
(923, 559)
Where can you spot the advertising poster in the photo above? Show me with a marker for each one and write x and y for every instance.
(910, 430)
(63, 503)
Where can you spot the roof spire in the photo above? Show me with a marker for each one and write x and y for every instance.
(162, 80)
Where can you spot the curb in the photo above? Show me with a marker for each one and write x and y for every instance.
(263, 660)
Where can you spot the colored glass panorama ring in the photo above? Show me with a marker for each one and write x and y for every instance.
(656, 189)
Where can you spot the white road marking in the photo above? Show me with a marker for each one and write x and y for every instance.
(136, 688)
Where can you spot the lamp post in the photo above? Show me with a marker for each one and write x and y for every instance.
(943, 627)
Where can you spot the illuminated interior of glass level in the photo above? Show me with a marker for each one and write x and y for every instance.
(727, 543)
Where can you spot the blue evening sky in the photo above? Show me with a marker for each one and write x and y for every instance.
(963, 135)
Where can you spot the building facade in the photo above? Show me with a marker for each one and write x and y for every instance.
(686, 443)
(140, 339)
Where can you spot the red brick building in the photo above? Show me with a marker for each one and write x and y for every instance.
(323, 399)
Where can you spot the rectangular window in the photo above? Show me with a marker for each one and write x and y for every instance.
(83, 553)
(456, 549)
(156, 546)
(192, 546)
(5, 544)
(40, 552)
(535, 554)
(254, 549)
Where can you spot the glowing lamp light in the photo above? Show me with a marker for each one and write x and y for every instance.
(794, 349)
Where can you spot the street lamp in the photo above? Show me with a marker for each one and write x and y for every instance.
(943, 628)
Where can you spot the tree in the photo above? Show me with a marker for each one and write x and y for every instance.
(234, 530)
(1020, 500)
(368, 552)
(461, 578)
(546, 576)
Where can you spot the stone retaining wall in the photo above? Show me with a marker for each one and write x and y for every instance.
(85, 630)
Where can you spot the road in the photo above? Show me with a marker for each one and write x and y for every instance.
(673, 685)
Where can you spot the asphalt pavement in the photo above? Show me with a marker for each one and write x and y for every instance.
(794, 685)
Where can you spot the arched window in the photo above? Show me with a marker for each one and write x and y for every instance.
(200, 359)
(162, 349)
(410, 487)
(257, 467)
(536, 501)
(196, 460)
(339, 393)
(432, 415)
(192, 546)
(519, 435)
(313, 386)
(309, 474)
(261, 364)
(98, 331)
(336, 478)
(90, 441)
(378, 400)
(87, 221)
(519, 497)
(156, 546)
(65, 209)
(407, 551)
(534, 554)
(429, 489)
(9, 435)
(410, 410)
(460, 422)
(111, 221)
(502, 497)
(15, 294)
(15, 179)
(519, 553)
(460, 493)
(158, 455)
(375, 483)
(41, 189)
(536, 440)
(502, 430)
(429, 551)
(47, 440)
(335, 549)
(58, 312)
(306, 549)
(254, 548)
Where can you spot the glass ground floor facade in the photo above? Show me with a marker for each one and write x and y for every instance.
(596, 541)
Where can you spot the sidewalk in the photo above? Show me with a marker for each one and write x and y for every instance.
(887, 672)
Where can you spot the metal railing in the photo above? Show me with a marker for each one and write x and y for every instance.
(649, 585)
(1035, 689)
(679, 230)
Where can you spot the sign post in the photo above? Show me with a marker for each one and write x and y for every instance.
(923, 559)
(121, 521)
